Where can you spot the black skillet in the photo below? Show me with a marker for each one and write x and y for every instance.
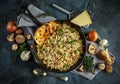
(38, 24)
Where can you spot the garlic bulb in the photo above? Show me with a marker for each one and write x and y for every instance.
(103, 42)
(25, 55)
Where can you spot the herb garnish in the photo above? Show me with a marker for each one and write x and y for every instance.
(66, 66)
(88, 64)
(60, 32)
(22, 48)
(69, 42)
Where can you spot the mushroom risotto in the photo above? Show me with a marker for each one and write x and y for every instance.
(62, 49)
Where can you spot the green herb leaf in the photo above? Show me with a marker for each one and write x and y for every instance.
(22, 48)
(58, 40)
(66, 66)
(69, 42)
(60, 32)
(65, 53)
(74, 51)
(88, 64)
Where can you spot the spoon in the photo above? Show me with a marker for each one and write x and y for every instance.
(39, 72)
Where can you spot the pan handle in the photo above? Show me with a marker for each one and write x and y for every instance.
(29, 15)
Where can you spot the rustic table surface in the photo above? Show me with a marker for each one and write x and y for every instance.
(106, 20)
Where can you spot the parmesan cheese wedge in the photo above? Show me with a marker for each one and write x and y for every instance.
(82, 19)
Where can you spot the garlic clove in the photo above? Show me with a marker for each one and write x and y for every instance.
(103, 42)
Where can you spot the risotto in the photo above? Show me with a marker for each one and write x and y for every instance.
(62, 49)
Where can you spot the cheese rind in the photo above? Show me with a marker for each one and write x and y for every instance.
(82, 19)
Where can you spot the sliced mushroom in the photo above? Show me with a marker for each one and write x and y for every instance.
(111, 61)
(20, 39)
(81, 68)
(92, 49)
(10, 37)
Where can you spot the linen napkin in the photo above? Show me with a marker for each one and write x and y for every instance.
(24, 21)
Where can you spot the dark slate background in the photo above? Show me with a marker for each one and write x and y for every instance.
(106, 20)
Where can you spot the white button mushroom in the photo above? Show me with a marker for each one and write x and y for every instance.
(29, 36)
(14, 47)
(101, 66)
(25, 55)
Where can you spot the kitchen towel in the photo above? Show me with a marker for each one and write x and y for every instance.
(24, 21)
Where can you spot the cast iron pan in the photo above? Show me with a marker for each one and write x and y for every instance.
(38, 24)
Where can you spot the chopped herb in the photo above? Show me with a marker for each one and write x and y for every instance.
(58, 52)
(60, 32)
(66, 32)
(65, 54)
(54, 37)
(88, 64)
(69, 42)
(74, 51)
(66, 66)
(73, 41)
(68, 27)
(22, 47)
(43, 49)
(63, 46)
(58, 40)
(48, 41)
(59, 29)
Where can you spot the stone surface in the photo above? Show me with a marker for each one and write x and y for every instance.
(106, 20)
